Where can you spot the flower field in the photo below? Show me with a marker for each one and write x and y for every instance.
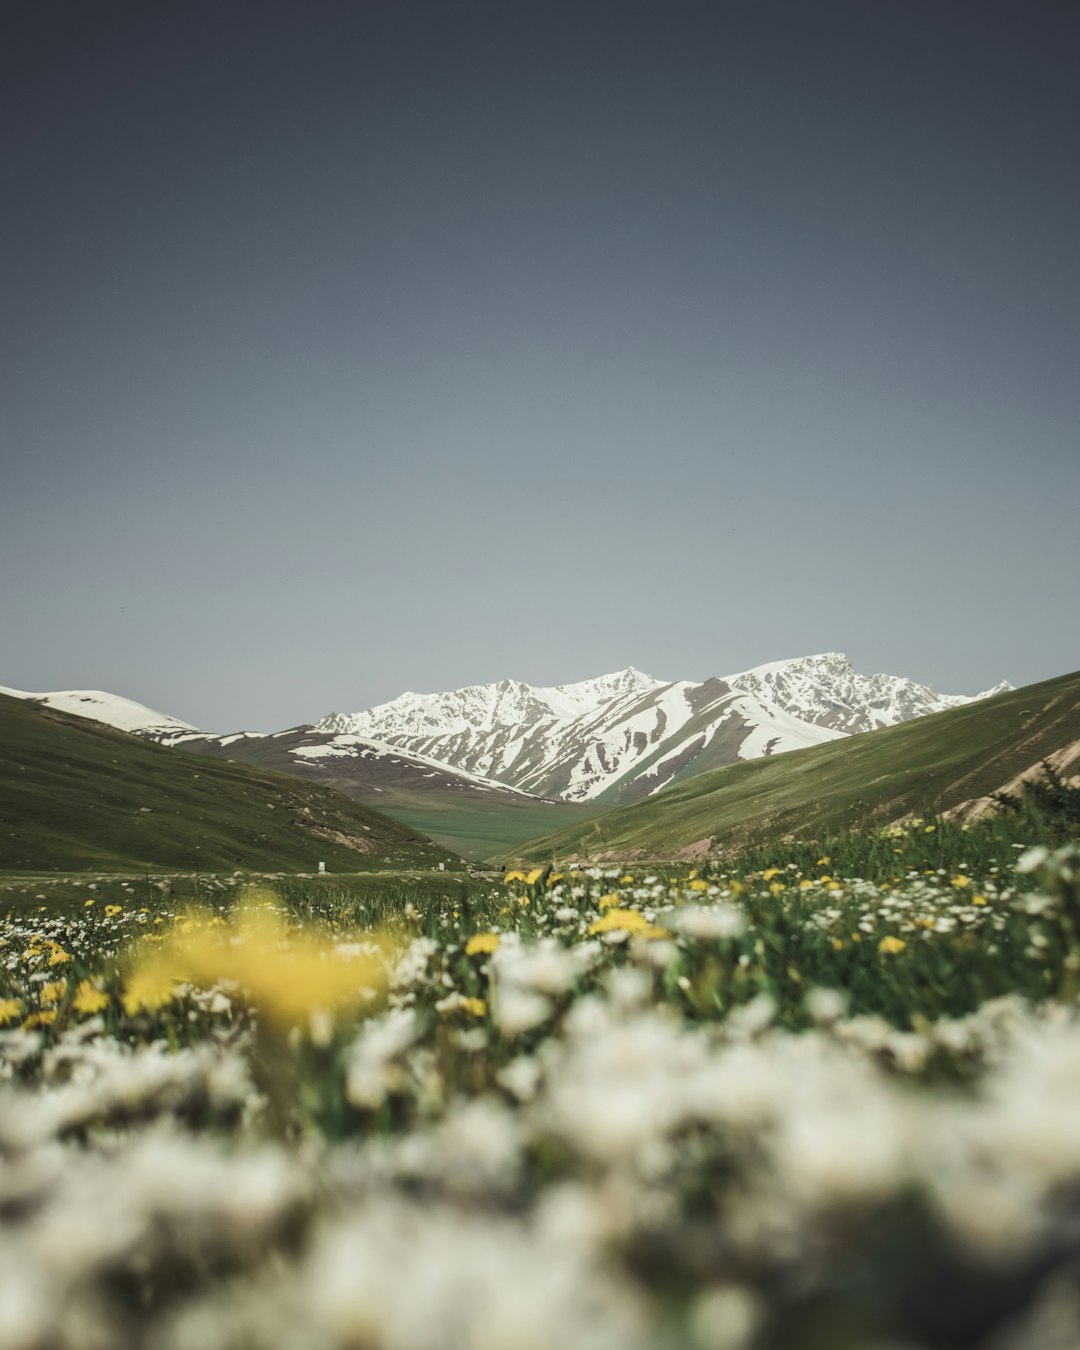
(822, 1101)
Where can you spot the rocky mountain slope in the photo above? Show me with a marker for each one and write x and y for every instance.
(950, 763)
(601, 742)
(627, 735)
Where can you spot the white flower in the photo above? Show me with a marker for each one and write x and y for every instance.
(382, 1040)
(519, 1010)
(708, 923)
(1032, 859)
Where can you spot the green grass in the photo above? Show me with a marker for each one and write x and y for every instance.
(75, 794)
(922, 768)
(481, 830)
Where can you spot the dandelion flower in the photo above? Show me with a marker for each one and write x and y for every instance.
(89, 998)
(482, 944)
(630, 921)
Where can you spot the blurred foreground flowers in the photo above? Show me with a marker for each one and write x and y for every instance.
(287, 974)
(683, 1112)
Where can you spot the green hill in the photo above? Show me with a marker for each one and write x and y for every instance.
(77, 794)
(474, 819)
(948, 762)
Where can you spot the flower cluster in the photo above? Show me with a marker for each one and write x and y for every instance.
(590, 1108)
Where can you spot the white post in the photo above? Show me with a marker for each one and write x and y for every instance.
(322, 867)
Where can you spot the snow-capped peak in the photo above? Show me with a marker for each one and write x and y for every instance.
(507, 703)
(601, 736)
(828, 691)
(112, 709)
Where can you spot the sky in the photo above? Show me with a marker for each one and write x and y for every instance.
(354, 348)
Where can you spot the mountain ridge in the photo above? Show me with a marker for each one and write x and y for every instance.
(950, 763)
(483, 768)
(595, 740)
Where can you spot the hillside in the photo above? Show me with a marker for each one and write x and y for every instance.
(75, 793)
(946, 762)
(473, 816)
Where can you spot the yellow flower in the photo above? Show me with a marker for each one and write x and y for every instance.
(838, 946)
(513, 876)
(769, 873)
(151, 987)
(608, 901)
(475, 1007)
(960, 882)
(929, 829)
(88, 903)
(626, 880)
(89, 999)
(737, 888)
(10, 1008)
(630, 921)
(110, 910)
(824, 881)
(890, 945)
(824, 862)
(534, 876)
(57, 955)
(777, 888)
(805, 884)
(856, 937)
(555, 878)
(699, 885)
(285, 974)
(45, 1018)
(978, 899)
(53, 991)
(482, 944)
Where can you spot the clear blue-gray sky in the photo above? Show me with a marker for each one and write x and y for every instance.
(358, 347)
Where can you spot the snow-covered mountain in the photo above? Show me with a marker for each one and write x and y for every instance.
(827, 691)
(113, 710)
(626, 735)
(361, 767)
(612, 739)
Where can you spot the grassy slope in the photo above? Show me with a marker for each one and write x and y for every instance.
(924, 767)
(476, 823)
(72, 794)
(481, 830)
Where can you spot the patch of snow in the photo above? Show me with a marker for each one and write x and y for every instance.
(123, 713)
